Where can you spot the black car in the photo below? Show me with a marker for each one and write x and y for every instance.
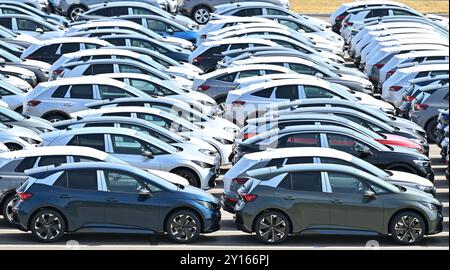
(343, 139)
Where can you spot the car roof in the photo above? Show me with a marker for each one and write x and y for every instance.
(123, 3)
(83, 80)
(275, 83)
(48, 170)
(56, 151)
(277, 59)
(73, 40)
(232, 69)
(419, 68)
(423, 53)
(415, 47)
(298, 152)
(103, 23)
(231, 19)
(237, 40)
(106, 51)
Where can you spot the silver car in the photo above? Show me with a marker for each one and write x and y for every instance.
(143, 151)
(37, 125)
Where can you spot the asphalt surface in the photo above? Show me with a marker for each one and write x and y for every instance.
(229, 238)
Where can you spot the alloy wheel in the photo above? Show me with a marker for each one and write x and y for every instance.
(183, 227)
(408, 229)
(76, 12)
(48, 226)
(272, 228)
(201, 16)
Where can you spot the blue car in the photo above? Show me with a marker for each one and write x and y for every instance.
(111, 198)
(164, 26)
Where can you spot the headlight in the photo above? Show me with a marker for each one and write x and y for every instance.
(424, 188)
(202, 164)
(430, 206)
(422, 163)
(29, 140)
(207, 204)
(222, 141)
(230, 129)
(25, 77)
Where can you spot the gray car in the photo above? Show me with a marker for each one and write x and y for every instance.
(200, 10)
(425, 109)
(333, 199)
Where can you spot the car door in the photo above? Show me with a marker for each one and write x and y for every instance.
(287, 93)
(305, 199)
(349, 208)
(132, 151)
(79, 195)
(77, 97)
(125, 207)
(352, 146)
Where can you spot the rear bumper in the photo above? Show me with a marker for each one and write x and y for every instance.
(239, 221)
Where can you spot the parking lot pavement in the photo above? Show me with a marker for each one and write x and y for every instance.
(230, 238)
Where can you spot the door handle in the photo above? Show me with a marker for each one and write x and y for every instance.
(112, 200)
(289, 198)
(337, 201)
(65, 196)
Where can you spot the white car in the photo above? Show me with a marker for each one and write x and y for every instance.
(34, 26)
(56, 100)
(391, 66)
(143, 151)
(3, 148)
(221, 139)
(393, 87)
(166, 88)
(17, 138)
(16, 81)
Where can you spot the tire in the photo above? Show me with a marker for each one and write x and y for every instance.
(201, 15)
(7, 206)
(183, 226)
(47, 226)
(55, 117)
(76, 11)
(407, 228)
(189, 175)
(272, 227)
(431, 130)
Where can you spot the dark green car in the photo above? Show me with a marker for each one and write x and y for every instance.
(333, 199)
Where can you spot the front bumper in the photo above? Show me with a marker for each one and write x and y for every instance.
(212, 223)
(436, 225)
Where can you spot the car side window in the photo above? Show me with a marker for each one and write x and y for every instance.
(299, 160)
(4, 92)
(377, 13)
(6, 22)
(130, 69)
(82, 179)
(99, 69)
(302, 69)
(112, 92)
(81, 91)
(142, 11)
(227, 77)
(45, 51)
(287, 92)
(117, 41)
(96, 141)
(69, 47)
(84, 159)
(249, 73)
(344, 143)
(25, 164)
(271, 11)
(52, 160)
(117, 11)
(158, 26)
(265, 93)
(300, 140)
(249, 12)
(312, 91)
(60, 92)
(102, 12)
(117, 181)
(346, 183)
(29, 25)
(306, 181)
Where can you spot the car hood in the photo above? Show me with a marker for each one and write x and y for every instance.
(171, 177)
(27, 38)
(191, 151)
(37, 122)
(357, 79)
(201, 144)
(185, 44)
(420, 196)
(373, 102)
(199, 194)
(200, 97)
(400, 122)
(183, 72)
(408, 151)
(36, 63)
(409, 177)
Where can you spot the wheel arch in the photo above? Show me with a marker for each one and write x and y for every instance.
(55, 112)
(54, 208)
(5, 195)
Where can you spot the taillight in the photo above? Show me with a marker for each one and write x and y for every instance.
(203, 36)
(248, 197)
(348, 24)
(372, 79)
(29, 57)
(248, 135)
(57, 72)
(238, 103)
(340, 18)
(33, 103)
(409, 98)
(240, 180)
(24, 195)
(419, 107)
(395, 88)
(390, 72)
(198, 59)
(378, 65)
(203, 87)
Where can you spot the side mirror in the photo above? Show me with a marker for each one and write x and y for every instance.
(170, 31)
(368, 195)
(363, 150)
(319, 75)
(2, 60)
(143, 192)
(147, 154)
(39, 30)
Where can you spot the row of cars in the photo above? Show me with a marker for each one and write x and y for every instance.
(259, 88)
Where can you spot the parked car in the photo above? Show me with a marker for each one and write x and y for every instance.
(13, 165)
(200, 168)
(32, 25)
(343, 139)
(237, 176)
(18, 138)
(263, 208)
(425, 109)
(196, 210)
(12, 95)
(37, 125)
(39, 68)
